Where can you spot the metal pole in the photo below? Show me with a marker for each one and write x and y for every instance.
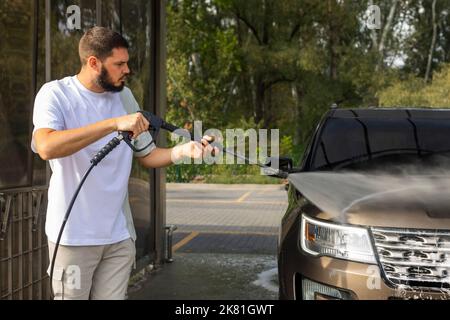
(98, 11)
(48, 58)
(48, 50)
(120, 17)
(158, 98)
(33, 86)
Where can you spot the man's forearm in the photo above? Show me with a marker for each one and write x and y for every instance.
(158, 158)
(60, 144)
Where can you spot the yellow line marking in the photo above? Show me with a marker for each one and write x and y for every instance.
(241, 233)
(183, 242)
(245, 196)
(224, 201)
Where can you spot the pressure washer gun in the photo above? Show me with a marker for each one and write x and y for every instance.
(156, 124)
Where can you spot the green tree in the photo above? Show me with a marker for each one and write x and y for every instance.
(282, 64)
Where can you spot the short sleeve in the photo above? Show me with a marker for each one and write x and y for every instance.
(46, 113)
(145, 140)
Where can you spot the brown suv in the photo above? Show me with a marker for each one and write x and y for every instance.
(358, 226)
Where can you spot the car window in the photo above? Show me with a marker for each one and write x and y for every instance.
(340, 139)
(347, 140)
(434, 134)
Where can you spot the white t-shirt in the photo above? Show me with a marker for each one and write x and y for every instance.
(99, 215)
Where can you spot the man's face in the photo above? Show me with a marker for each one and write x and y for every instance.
(114, 71)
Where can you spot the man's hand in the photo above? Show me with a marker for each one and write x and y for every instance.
(194, 150)
(135, 123)
(160, 157)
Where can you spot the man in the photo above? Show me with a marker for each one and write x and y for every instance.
(74, 118)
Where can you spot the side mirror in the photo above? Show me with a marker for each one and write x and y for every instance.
(285, 164)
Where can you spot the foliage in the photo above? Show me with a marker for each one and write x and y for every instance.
(413, 92)
(281, 64)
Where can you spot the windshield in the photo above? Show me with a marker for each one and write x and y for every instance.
(382, 143)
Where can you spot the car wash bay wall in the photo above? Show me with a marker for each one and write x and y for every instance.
(39, 46)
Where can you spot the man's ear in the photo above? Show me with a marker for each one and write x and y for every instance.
(94, 64)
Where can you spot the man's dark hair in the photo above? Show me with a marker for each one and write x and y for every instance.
(99, 42)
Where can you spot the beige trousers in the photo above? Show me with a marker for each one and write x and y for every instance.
(92, 272)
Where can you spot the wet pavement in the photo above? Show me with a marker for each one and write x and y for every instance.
(224, 247)
(211, 276)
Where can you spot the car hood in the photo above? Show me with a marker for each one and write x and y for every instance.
(420, 203)
(424, 210)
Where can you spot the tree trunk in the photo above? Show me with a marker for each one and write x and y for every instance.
(297, 95)
(433, 42)
(260, 99)
(373, 34)
(333, 42)
(268, 117)
(386, 30)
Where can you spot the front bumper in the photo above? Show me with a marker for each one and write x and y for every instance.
(354, 280)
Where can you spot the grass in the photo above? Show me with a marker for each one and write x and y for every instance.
(241, 179)
(219, 174)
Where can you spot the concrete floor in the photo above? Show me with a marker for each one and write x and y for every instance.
(198, 276)
(225, 245)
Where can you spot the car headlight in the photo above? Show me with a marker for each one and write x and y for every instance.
(334, 240)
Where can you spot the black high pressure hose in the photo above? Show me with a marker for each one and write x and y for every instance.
(114, 143)
(94, 162)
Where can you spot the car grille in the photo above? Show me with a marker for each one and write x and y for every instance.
(414, 257)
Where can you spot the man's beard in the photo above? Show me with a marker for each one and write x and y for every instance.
(104, 81)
